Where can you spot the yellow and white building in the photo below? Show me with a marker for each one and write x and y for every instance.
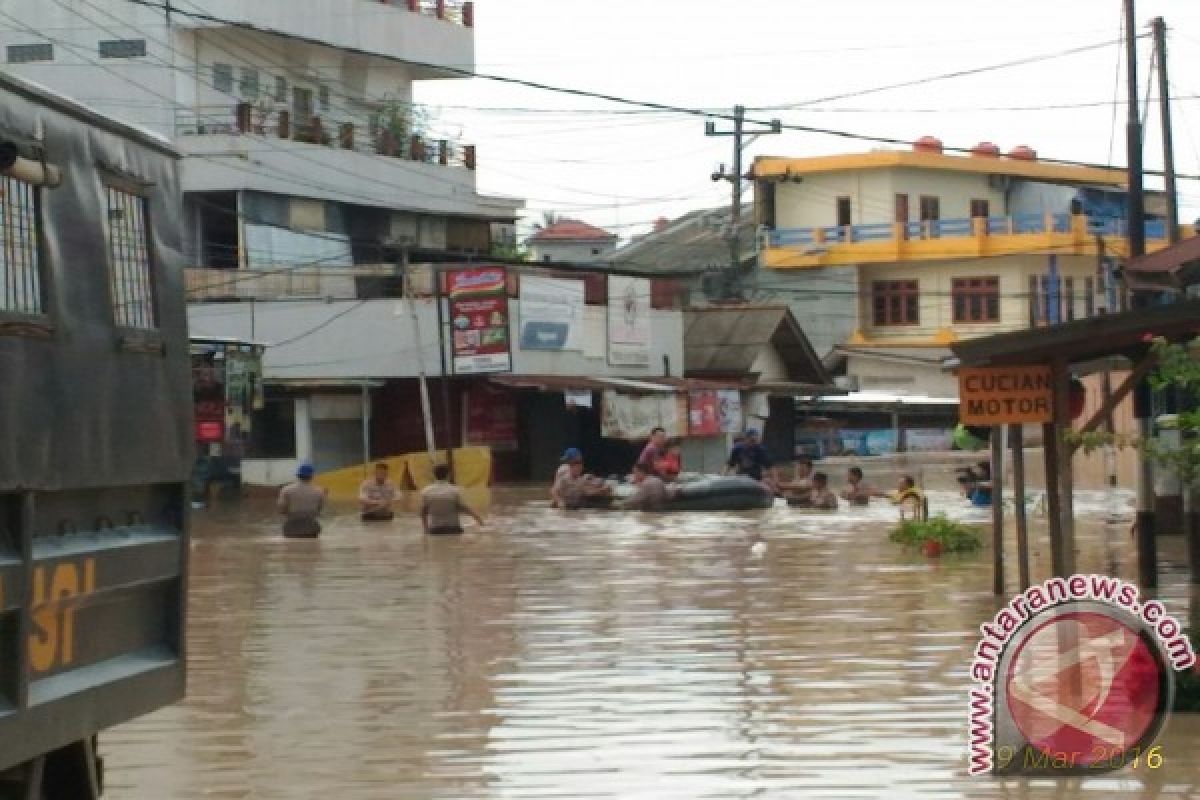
(887, 257)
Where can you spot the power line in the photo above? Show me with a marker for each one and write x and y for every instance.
(611, 98)
(961, 73)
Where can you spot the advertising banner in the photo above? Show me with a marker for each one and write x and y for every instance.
(491, 418)
(478, 300)
(729, 410)
(634, 416)
(703, 419)
(551, 313)
(628, 321)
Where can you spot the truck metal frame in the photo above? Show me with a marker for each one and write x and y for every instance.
(95, 436)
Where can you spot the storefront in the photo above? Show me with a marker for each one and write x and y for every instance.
(227, 391)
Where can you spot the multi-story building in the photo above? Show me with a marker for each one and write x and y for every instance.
(303, 146)
(889, 256)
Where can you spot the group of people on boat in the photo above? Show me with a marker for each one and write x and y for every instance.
(659, 465)
(302, 501)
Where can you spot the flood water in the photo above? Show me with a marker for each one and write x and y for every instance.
(598, 655)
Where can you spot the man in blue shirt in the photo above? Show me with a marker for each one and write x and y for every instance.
(750, 458)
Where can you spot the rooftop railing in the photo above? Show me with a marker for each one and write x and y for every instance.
(355, 135)
(962, 228)
(461, 12)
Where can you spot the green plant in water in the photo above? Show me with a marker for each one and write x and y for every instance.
(954, 537)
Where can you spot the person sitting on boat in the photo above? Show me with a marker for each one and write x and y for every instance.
(564, 466)
(656, 447)
(911, 500)
(799, 487)
(300, 503)
(820, 496)
(573, 489)
(377, 494)
(651, 491)
(670, 464)
(751, 459)
(858, 493)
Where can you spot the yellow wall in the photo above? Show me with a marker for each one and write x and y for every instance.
(813, 201)
(934, 279)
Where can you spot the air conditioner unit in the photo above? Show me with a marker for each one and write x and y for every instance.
(999, 182)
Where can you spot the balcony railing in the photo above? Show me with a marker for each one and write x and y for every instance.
(291, 282)
(461, 12)
(355, 135)
(958, 228)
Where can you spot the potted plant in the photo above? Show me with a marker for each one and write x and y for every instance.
(936, 535)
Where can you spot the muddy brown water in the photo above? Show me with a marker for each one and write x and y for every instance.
(598, 655)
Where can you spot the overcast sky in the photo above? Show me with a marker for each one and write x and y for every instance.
(623, 170)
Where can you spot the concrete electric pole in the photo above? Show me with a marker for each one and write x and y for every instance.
(735, 177)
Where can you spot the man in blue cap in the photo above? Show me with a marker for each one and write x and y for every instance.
(569, 456)
(300, 502)
(751, 459)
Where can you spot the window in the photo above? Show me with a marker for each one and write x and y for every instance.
(249, 83)
(930, 208)
(323, 97)
(20, 269)
(302, 104)
(222, 78)
(281, 89)
(129, 260)
(895, 303)
(902, 208)
(1089, 296)
(843, 212)
(123, 48)
(595, 251)
(979, 208)
(27, 53)
(1035, 301)
(976, 299)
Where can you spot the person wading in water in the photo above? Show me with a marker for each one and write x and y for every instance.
(442, 502)
(377, 494)
(301, 502)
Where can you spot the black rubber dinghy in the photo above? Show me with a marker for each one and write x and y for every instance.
(734, 493)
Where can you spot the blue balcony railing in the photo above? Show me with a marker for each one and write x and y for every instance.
(1030, 223)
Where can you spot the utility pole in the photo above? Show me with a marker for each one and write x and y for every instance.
(1147, 546)
(1164, 106)
(735, 178)
(426, 411)
(1133, 140)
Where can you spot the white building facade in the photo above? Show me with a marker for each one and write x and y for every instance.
(303, 144)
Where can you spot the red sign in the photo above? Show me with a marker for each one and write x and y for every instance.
(479, 320)
(209, 431)
(491, 418)
(703, 419)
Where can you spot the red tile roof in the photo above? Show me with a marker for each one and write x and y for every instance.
(571, 229)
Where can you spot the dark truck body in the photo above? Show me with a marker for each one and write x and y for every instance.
(95, 436)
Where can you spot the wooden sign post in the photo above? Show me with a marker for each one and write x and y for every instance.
(996, 397)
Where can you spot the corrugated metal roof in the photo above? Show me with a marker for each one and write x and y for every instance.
(692, 243)
(726, 340)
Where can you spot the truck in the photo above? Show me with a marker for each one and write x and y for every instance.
(97, 437)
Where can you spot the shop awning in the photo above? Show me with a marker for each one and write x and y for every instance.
(559, 383)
